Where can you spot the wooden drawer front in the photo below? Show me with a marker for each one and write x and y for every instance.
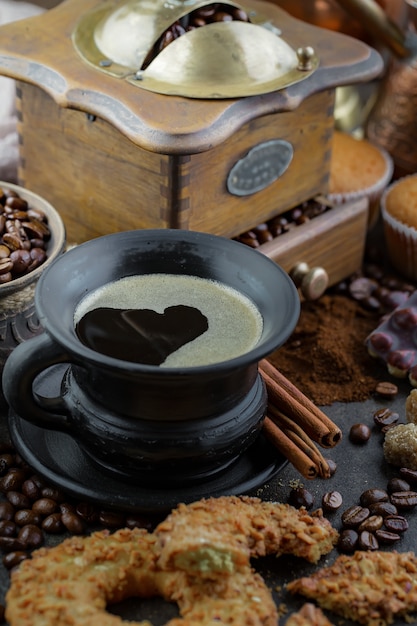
(334, 241)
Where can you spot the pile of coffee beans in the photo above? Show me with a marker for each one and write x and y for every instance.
(379, 518)
(24, 233)
(30, 509)
(281, 224)
(216, 12)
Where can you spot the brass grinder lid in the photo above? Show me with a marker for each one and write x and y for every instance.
(221, 59)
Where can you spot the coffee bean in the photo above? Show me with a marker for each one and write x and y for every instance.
(385, 417)
(386, 389)
(13, 480)
(87, 511)
(53, 524)
(367, 541)
(362, 287)
(138, 521)
(383, 509)
(409, 475)
(6, 462)
(404, 500)
(73, 523)
(13, 559)
(11, 544)
(27, 516)
(111, 519)
(396, 523)
(332, 466)
(44, 506)
(386, 537)
(6, 511)
(354, 516)
(31, 489)
(18, 500)
(31, 535)
(370, 496)
(359, 433)
(299, 496)
(7, 528)
(397, 484)
(372, 523)
(348, 540)
(331, 501)
(52, 493)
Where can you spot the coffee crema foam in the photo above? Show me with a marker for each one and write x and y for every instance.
(234, 322)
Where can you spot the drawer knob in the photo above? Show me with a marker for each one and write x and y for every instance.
(312, 282)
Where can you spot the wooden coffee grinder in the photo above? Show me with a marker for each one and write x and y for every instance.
(133, 114)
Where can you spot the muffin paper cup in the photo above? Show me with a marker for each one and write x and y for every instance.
(372, 193)
(401, 240)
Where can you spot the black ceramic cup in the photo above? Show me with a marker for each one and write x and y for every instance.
(146, 423)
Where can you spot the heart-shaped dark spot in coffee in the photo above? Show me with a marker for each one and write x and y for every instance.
(141, 335)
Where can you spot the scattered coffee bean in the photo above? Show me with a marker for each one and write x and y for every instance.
(27, 516)
(73, 522)
(13, 480)
(31, 536)
(18, 500)
(6, 511)
(87, 511)
(409, 475)
(396, 523)
(332, 466)
(386, 537)
(386, 389)
(354, 516)
(111, 519)
(397, 484)
(31, 489)
(385, 417)
(11, 544)
(367, 541)
(370, 496)
(44, 506)
(53, 524)
(348, 540)
(7, 528)
(371, 524)
(332, 501)
(404, 500)
(359, 433)
(299, 496)
(383, 509)
(13, 559)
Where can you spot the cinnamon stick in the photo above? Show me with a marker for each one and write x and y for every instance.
(292, 402)
(289, 449)
(301, 440)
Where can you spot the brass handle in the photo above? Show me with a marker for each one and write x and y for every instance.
(377, 22)
(312, 282)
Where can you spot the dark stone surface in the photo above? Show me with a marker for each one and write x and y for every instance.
(359, 467)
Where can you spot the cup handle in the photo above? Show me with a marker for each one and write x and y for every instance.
(25, 362)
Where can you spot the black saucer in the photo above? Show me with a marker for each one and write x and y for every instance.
(58, 458)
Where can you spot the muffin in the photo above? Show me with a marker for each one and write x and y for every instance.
(399, 216)
(358, 169)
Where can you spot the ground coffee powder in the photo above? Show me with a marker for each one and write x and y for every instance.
(326, 355)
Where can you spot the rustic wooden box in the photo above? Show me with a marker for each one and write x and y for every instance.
(111, 156)
(101, 182)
